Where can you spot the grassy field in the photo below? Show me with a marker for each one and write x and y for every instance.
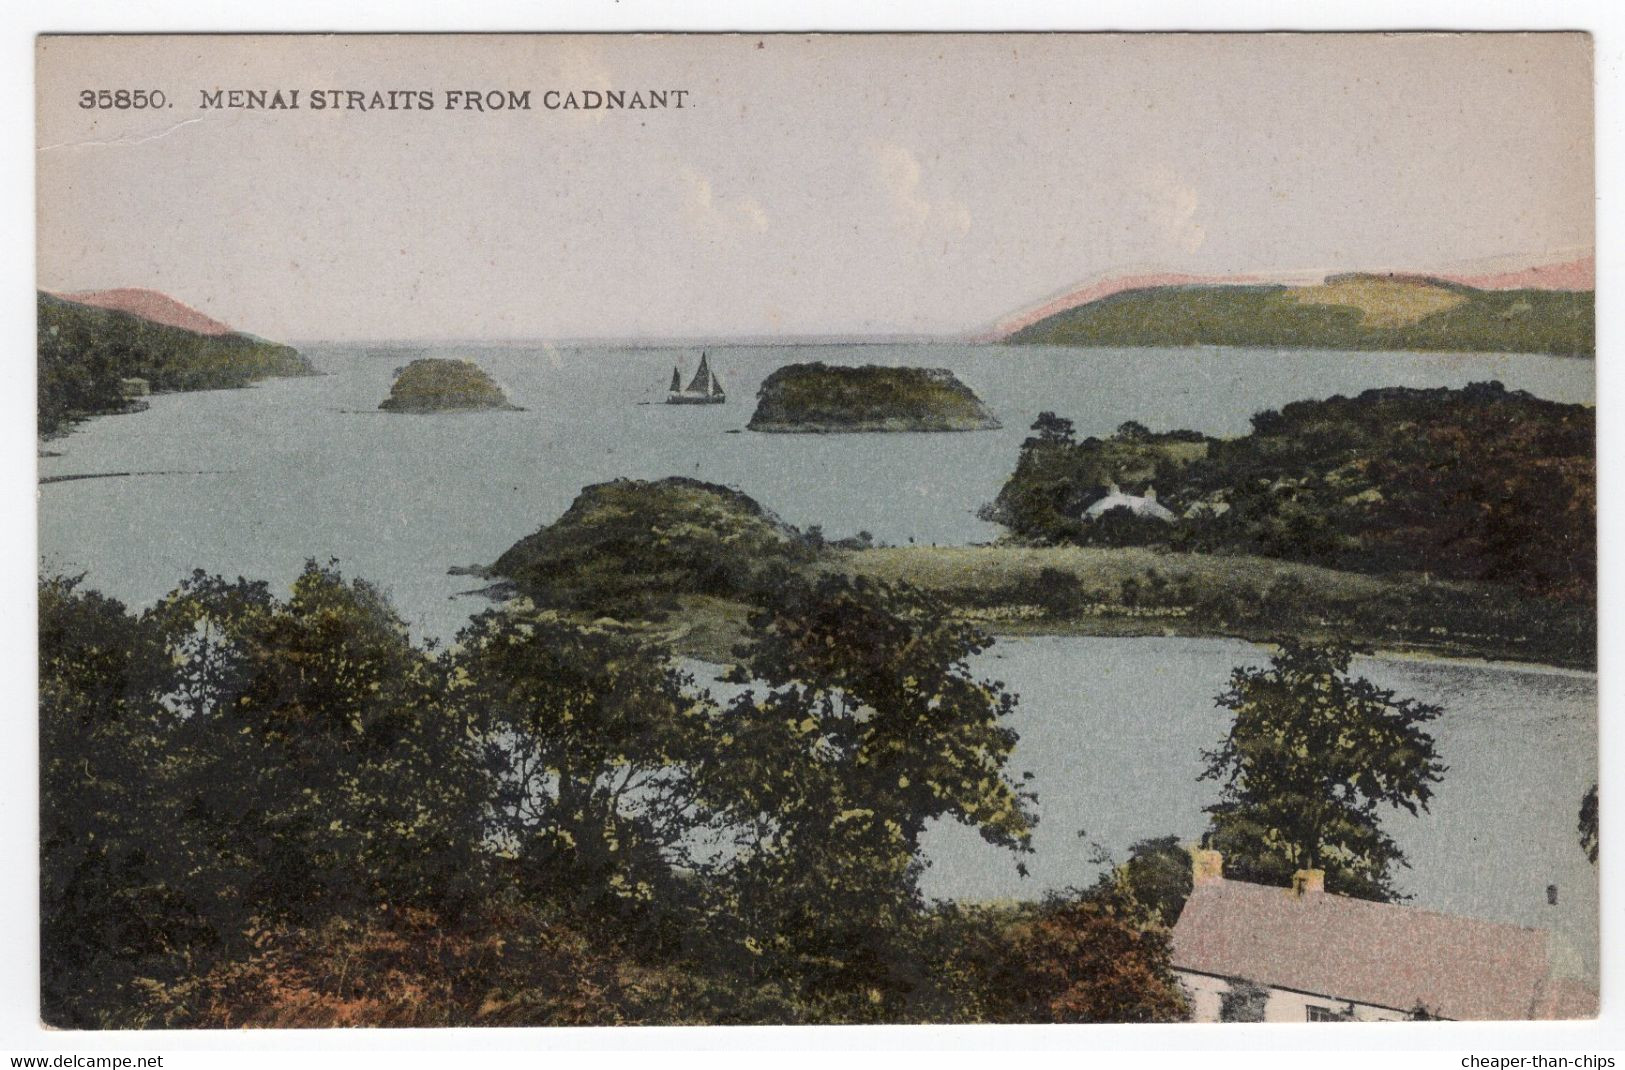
(1383, 302)
(989, 574)
(684, 561)
(1012, 590)
(1015, 590)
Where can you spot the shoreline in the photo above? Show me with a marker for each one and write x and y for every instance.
(1380, 652)
(708, 629)
(867, 427)
(1011, 591)
(1021, 590)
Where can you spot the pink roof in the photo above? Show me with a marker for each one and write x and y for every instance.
(150, 305)
(1374, 953)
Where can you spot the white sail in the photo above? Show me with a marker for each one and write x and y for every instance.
(704, 389)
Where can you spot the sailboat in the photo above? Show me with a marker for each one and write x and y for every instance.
(704, 389)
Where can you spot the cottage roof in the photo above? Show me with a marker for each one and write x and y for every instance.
(1373, 953)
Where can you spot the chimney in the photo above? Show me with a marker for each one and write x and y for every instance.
(1112, 488)
(1207, 867)
(1150, 494)
(1306, 881)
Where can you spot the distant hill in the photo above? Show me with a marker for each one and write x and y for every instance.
(1577, 274)
(150, 305)
(96, 358)
(1105, 287)
(1351, 311)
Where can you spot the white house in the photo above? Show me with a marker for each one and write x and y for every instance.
(1323, 957)
(1145, 505)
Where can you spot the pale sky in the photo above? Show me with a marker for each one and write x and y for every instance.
(811, 186)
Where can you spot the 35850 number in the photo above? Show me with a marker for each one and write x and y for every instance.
(123, 99)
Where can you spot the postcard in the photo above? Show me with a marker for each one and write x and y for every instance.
(708, 529)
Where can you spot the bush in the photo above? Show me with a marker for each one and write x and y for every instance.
(1158, 875)
(1243, 1001)
(1095, 959)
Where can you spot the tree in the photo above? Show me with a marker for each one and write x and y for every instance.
(226, 760)
(1311, 758)
(890, 709)
(590, 734)
(1243, 1001)
(1095, 958)
(315, 764)
(1158, 875)
(106, 914)
(865, 722)
(205, 622)
(1052, 430)
(1588, 824)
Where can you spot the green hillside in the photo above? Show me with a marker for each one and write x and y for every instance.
(85, 352)
(631, 543)
(1348, 312)
(1482, 484)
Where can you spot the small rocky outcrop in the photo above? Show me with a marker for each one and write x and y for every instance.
(434, 384)
(822, 398)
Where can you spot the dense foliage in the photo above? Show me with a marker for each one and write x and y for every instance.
(830, 397)
(1311, 759)
(85, 352)
(1095, 959)
(228, 761)
(281, 811)
(433, 384)
(1588, 824)
(630, 545)
(1243, 1001)
(1158, 875)
(1480, 484)
(863, 724)
(1058, 477)
(1481, 321)
(591, 737)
